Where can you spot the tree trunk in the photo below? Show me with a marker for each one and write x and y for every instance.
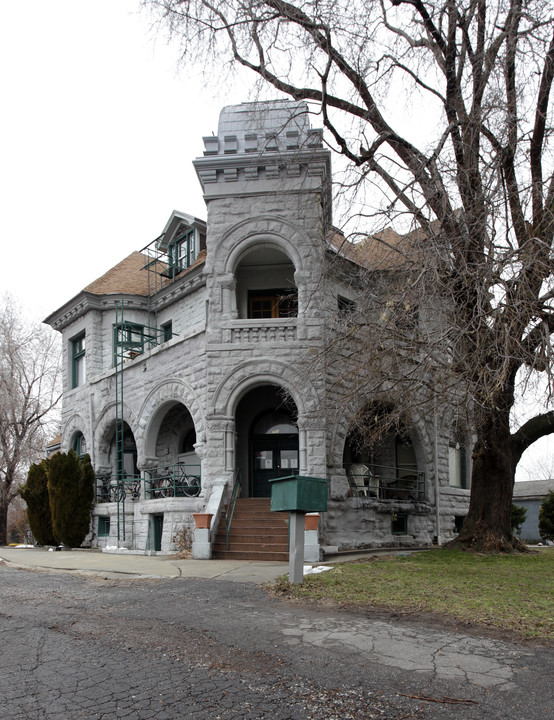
(488, 527)
(3, 519)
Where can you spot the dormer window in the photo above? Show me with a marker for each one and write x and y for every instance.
(181, 251)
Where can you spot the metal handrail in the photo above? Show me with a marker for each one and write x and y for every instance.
(386, 483)
(230, 512)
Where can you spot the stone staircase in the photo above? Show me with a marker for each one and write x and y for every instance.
(256, 533)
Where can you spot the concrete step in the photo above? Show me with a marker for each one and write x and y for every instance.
(256, 533)
(259, 556)
(246, 542)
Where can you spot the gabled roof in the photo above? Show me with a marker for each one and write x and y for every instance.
(176, 219)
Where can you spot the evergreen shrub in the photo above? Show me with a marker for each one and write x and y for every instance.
(71, 492)
(546, 517)
(35, 494)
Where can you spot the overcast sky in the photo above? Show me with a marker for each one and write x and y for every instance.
(98, 130)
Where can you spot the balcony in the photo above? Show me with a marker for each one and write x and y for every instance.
(169, 481)
(165, 481)
(273, 330)
(385, 483)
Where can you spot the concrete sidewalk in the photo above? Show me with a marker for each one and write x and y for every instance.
(113, 565)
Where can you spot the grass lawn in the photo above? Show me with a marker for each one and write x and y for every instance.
(511, 593)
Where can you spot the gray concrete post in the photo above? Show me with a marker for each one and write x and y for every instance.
(296, 550)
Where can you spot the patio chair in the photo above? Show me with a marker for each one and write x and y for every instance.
(359, 477)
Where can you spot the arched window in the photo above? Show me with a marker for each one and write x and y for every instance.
(79, 444)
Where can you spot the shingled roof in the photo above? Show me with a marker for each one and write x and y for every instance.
(129, 277)
(384, 250)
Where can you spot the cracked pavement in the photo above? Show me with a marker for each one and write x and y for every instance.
(80, 647)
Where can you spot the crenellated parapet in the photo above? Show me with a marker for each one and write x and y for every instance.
(263, 147)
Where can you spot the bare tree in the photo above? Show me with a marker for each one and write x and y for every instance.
(29, 393)
(478, 187)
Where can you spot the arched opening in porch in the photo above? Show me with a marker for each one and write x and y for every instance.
(173, 465)
(381, 457)
(266, 439)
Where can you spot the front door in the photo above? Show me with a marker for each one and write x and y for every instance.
(272, 456)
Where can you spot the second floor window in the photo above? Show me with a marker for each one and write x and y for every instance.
(128, 341)
(181, 252)
(78, 361)
(167, 331)
(272, 304)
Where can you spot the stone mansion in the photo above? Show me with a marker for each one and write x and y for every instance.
(185, 368)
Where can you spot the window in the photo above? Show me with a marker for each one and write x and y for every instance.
(78, 366)
(128, 341)
(346, 307)
(399, 524)
(181, 252)
(457, 465)
(79, 444)
(103, 525)
(272, 304)
(167, 331)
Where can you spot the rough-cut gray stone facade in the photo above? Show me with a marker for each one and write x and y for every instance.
(236, 350)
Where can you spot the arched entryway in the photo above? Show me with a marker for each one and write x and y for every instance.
(267, 439)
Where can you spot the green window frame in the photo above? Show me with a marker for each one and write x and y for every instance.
(103, 525)
(167, 331)
(182, 251)
(79, 444)
(78, 361)
(128, 340)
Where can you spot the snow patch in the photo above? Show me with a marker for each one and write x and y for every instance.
(311, 570)
(114, 549)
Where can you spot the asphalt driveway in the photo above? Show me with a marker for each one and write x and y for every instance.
(87, 647)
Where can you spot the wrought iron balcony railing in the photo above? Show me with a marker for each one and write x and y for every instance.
(385, 483)
(165, 481)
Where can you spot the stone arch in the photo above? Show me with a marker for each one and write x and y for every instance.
(105, 428)
(343, 426)
(269, 229)
(158, 401)
(75, 424)
(252, 373)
